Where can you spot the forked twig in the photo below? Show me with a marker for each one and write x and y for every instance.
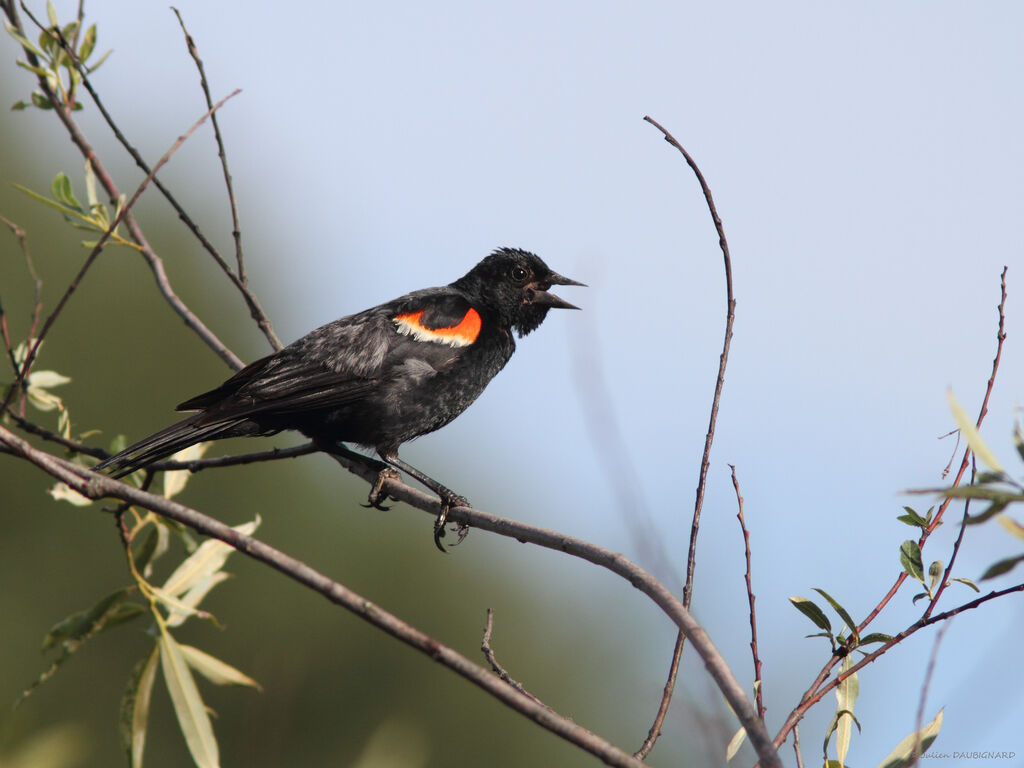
(691, 559)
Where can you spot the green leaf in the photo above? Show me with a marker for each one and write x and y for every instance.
(19, 106)
(969, 583)
(188, 704)
(970, 433)
(934, 574)
(215, 670)
(912, 518)
(135, 708)
(99, 63)
(40, 101)
(51, 14)
(902, 756)
(875, 637)
(78, 625)
(60, 187)
(813, 612)
(850, 623)
(993, 509)
(910, 559)
(24, 41)
(88, 44)
(1001, 567)
(34, 70)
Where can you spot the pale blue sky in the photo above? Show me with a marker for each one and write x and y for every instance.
(867, 162)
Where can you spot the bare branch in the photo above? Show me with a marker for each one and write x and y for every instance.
(485, 647)
(155, 262)
(691, 558)
(93, 485)
(122, 214)
(758, 682)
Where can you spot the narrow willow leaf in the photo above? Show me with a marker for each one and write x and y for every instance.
(51, 14)
(215, 670)
(875, 637)
(62, 192)
(193, 597)
(188, 704)
(175, 480)
(1001, 567)
(847, 619)
(912, 518)
(22, 40)
(969, 583)
(910, 559)
(812, 611)
(1012, 526)
(902, 756)
(88, 44)
(135, 708)
(78, 625)
(970, 433)
(208, 558)
(735, 743)
(992, 510)
(846, 696)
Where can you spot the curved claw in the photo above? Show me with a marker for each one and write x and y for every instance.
(447, 502)
(377, 495)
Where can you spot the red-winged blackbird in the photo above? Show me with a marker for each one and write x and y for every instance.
(377, 378)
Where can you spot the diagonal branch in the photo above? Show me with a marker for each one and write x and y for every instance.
(97, 486)
(94, 486)
(152, 259)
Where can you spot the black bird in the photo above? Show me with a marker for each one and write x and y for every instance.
(378, 378)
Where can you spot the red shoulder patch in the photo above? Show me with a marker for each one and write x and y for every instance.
(460, 334)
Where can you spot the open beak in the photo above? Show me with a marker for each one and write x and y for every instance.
(541, 297)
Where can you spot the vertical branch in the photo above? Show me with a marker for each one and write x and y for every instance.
(758, 698)
(705, 462)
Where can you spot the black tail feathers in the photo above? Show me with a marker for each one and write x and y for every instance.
(167, 441)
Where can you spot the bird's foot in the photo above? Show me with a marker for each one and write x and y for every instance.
(377, 495)
(449, 500)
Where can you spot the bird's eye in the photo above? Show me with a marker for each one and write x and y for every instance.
(518, 274)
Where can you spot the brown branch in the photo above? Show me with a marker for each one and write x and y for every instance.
(814, 692)
(122, 214)
(691, 559)
(612, 561)
(94, 485)
(812, 699)
(485, 647)
(758, 682)
(1000, 338)
(97, 486)
(152, 259)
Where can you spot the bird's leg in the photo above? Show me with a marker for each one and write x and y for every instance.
(448, 497)
(377, 496)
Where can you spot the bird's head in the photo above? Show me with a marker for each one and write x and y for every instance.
(514, 284)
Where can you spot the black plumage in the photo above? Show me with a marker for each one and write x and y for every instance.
(377, 378)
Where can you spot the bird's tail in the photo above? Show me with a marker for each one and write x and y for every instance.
(162, 444)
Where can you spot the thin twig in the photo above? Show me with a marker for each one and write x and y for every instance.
(485, 647)
(236, 230)
(152, 259)
(758, 682)
(238, 280)
(796, 747)
(97, 249)
(691, 559)
(1000, 338)
(928, 674)
(814, 692)
(93, 485)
